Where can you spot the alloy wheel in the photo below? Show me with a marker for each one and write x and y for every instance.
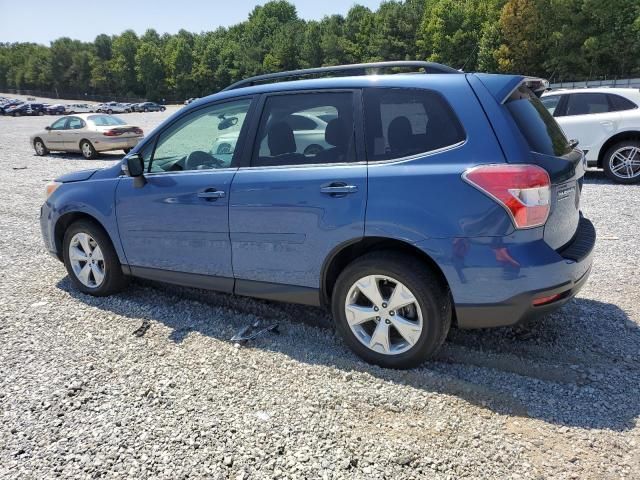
(383, 314)
(625, 162)
(86, 260)
(39, 148)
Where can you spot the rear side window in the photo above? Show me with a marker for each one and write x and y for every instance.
(404, 122)
(620, 104)
(293, 132)
(537, 125)
(587, 103)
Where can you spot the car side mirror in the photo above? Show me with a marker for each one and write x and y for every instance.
(134, 167)
(47, 128)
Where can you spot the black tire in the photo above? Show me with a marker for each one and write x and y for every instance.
(109, 111)
(126, 150)
(87, 150)
(40, 148)
(432, 296)
(114, 280)
(146, 110)
(16, 114)
(40, 113)
(608, 157)
(162, 109)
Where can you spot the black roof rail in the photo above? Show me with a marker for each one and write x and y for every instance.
(354, 69)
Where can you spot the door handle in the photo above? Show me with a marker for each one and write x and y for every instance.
(211, 194)
(338, 189)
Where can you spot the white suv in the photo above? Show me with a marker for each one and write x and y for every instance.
(606, 122)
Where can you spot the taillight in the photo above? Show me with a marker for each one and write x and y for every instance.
(523, 190)
(137, 131)
(112, 133)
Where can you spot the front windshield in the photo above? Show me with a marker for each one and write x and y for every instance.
(106, 120)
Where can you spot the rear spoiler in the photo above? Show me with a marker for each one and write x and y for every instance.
(503, 86)
(537, 85)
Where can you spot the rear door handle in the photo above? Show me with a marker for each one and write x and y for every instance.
(211, 194)
(338, 188)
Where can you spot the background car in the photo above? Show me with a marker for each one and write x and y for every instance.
(190, 100)
(9, 104)
(24, 109)
(56, 109)
(87, 133)
(606, 123)
(113, 107)
(148, 107)
(73, 108)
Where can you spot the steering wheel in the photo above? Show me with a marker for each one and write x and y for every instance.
(198, 160)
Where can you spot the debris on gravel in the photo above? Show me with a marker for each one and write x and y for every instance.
(146, 384)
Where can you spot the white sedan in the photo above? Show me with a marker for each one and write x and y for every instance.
(606, 123)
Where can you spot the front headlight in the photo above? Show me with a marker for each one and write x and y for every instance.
(51, 187)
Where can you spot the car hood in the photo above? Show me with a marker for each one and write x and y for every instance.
(77, 176)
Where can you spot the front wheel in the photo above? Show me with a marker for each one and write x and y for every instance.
(391, 310)
(91, 260)
(40, 148)
(87, 150)
(109, 111)
(622, 162)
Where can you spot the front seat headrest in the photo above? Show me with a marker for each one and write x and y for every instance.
(281, 139)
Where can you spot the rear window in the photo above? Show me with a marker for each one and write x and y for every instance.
(538, 126)
(106, 120)
(404, 122)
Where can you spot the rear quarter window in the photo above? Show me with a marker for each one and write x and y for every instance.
(620, 104)
(537, 125)
(405, 122)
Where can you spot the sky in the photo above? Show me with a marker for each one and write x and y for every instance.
(41, 21)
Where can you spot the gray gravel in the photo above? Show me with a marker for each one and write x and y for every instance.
(81, 396)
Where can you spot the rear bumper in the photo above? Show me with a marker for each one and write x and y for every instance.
(497, 280)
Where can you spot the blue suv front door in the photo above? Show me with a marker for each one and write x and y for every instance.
(303, 194)
(178, 221)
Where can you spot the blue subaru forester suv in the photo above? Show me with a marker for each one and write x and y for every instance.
(402, 202)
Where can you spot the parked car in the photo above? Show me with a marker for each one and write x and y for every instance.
(148, 107)
(74, 108)
(56, 109)
(606, 123)
(22, 109)
(442, 198)
(190, 100)
(88, 134)
(9, 104)
(113, 107)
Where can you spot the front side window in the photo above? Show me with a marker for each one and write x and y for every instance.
(306, 128)
(404, 122)
(587, 103)
(59, 124)
(551, 102)
(201, 140)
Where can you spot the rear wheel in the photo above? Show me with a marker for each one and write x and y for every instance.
(87, 150)
(146, 110)
(622, 162)
(16, 114)
(126, 150)
(109, 111)
(39, 147)
(391, 310)
(91, 260)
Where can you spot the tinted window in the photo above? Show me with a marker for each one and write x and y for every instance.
(201, 140)
(620, 103)
(403, 122)
(536, 123)
(299, 122)
(551, 103)
(587, 103)
(279, 143)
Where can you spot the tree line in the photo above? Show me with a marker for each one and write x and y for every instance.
(557, 39)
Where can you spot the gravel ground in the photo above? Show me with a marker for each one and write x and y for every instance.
(83, 396)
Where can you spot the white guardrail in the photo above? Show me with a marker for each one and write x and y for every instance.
(619, 83)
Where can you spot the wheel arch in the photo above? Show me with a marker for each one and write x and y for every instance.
(618, 137)
(63, 223)
(347, 252)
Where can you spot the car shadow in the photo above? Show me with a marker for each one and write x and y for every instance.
(577, 367)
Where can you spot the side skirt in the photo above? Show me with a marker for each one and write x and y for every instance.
(249, 288)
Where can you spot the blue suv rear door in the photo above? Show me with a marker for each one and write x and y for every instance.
(177, 223)
(301, 193)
